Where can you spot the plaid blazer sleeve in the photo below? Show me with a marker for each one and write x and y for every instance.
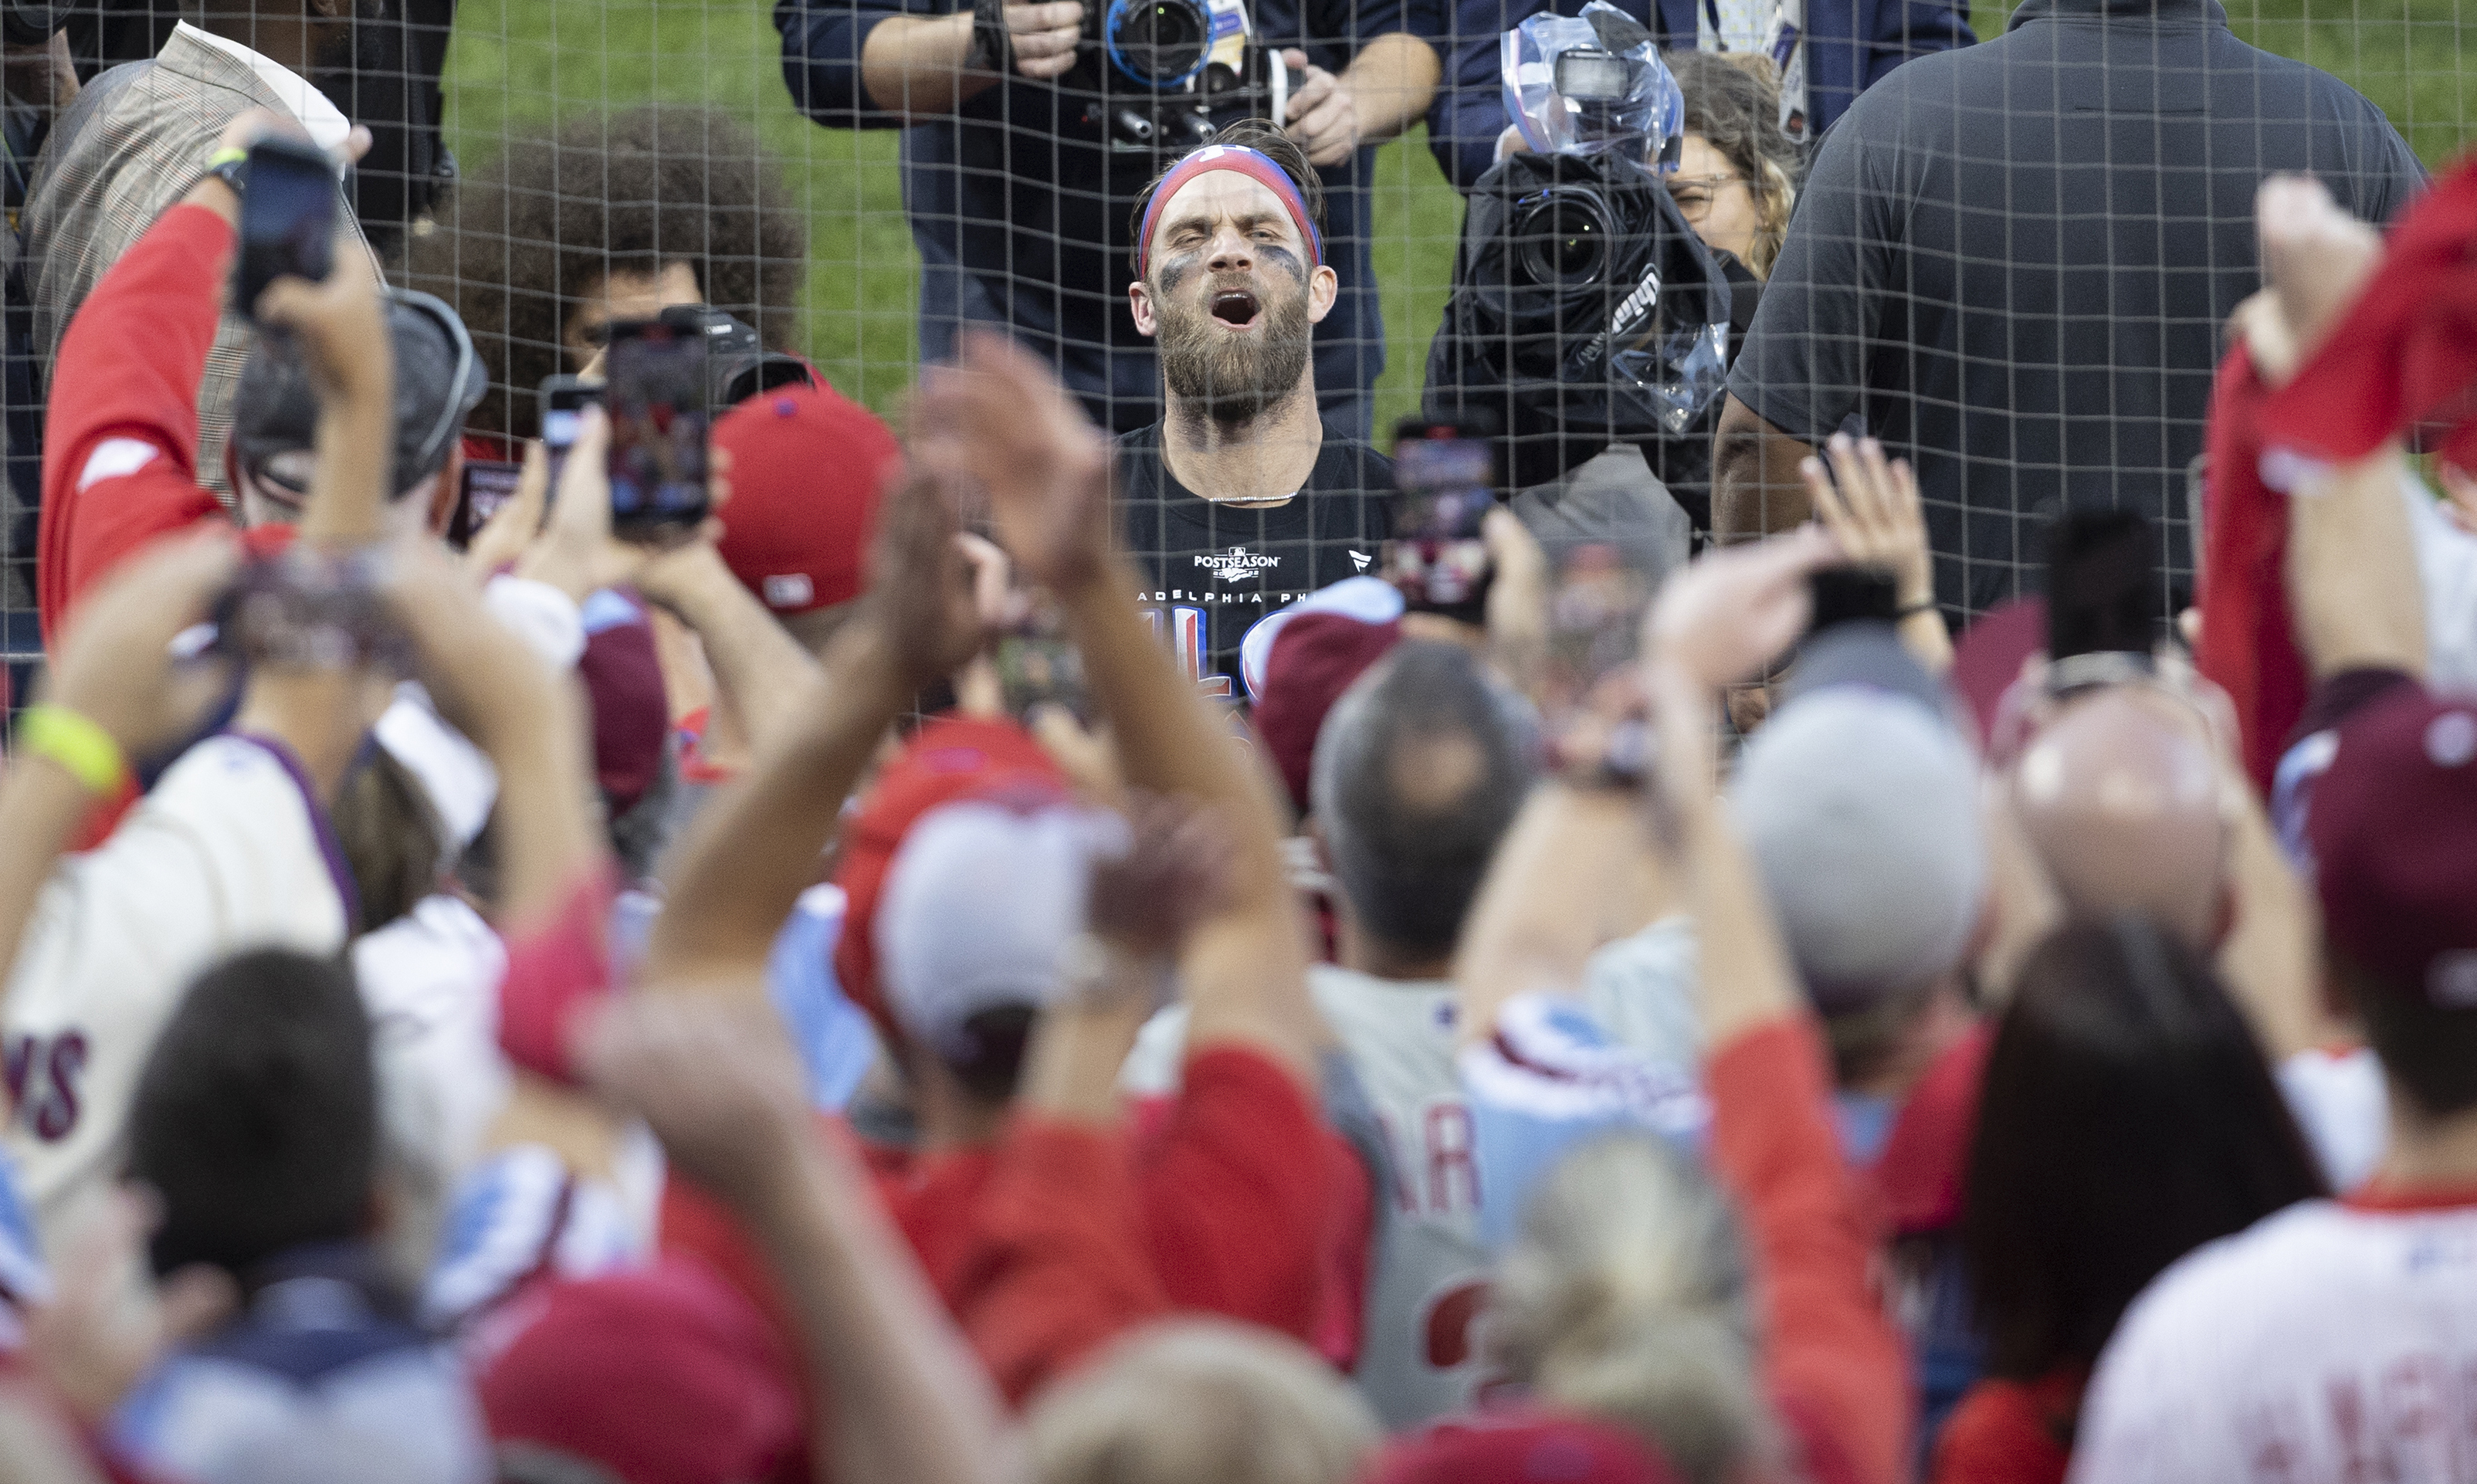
(137, 141)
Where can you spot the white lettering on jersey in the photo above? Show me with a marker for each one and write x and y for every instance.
(1238, 564)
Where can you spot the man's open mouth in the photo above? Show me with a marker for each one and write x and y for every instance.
(1235, 307)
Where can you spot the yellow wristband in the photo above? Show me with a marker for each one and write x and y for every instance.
(76, 743)
(229, 154)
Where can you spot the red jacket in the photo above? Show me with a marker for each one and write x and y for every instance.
(120, 436)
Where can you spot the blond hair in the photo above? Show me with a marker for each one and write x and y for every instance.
(1627, 1295)
(1202, 1401)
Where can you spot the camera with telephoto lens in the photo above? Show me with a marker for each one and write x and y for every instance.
(737, 364)
(1585, 313)
(1166, 76)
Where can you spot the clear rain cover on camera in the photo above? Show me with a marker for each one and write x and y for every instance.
(1679, 375)
(1651, 114)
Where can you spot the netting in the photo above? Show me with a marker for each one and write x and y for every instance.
(600, 150)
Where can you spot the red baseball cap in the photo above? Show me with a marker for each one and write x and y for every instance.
(953, 757)
(2393, 829)
(1520, 1446)
(1314, 658)
(662, 1375)
(807, 468)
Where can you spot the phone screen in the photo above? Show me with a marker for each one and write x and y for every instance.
(1594, 634)
(288, 219)
(485, 486)
(563, 400)
(656, 398)
(1446, 485)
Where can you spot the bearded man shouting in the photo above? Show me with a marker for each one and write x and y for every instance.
(1239, 500)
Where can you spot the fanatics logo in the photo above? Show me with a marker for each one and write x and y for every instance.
(1238, 564)
(1359, 560)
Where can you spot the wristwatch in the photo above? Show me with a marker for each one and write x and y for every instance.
(229, 166)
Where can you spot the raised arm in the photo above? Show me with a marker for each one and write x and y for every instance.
(756, 847)
(761, 672)
(112, 693)
(1000, 416)
(1831, 1353)
(894, 1394)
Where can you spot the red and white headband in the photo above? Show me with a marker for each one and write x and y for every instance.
(1257, 166)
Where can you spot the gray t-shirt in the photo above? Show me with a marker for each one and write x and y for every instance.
(2013, 263)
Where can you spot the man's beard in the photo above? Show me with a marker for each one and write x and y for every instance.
(1234, 378)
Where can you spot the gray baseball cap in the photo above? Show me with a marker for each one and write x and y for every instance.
(438, 381)
(1860, 804)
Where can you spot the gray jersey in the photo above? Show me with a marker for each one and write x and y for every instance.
(1418, 1350)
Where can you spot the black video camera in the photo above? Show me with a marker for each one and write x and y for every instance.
(737, 364)
(1585, 312)
(1164, 76)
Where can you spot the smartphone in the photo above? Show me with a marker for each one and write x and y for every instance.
(484, 486)
(1594, 634)
(1445, 482)
(564, 399)
(657, 400)
(302, 609)
(1038, 666)
(288, 219)
(2103, 590)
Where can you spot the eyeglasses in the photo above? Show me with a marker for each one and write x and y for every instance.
(1696, 193)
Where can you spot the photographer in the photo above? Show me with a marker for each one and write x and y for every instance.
(1241, 500)
(1019, 175)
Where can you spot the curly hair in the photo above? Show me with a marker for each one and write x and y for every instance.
(1735, 108)
(531, 235)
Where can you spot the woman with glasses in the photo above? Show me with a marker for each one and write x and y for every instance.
(1734, 182)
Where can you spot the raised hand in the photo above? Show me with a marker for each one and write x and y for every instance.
(928, 578)
(999, 418)
(341, 321)
(657, 1056)
(1174, 874)
(2314, 259)
(1726, 617)
(1869, 503)
(114, 666)
(486, 681)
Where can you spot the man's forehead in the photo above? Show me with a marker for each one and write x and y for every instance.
(1221, 195)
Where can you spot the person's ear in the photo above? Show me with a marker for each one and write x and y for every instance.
(1139, 300)
(443, 494)
(330, 9)
(1324, 286)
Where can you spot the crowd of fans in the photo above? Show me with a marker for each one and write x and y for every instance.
(1004, 952)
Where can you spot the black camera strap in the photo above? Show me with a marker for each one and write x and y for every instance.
(993, 48)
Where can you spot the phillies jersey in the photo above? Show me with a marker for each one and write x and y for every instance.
(2333, 1340)
(1211, 571)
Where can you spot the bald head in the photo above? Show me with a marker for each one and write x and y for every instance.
(2119, 796)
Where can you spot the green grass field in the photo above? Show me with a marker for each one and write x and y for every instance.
(531, 61)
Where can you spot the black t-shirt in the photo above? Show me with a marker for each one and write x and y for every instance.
(1212, 571)
(2013, 263)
